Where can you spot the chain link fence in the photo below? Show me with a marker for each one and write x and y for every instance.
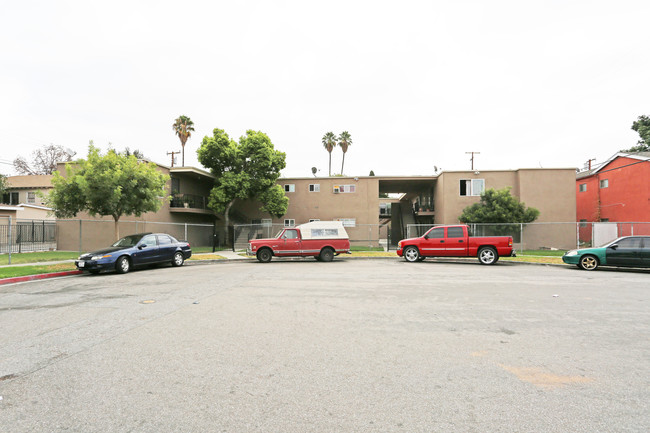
(87, 235)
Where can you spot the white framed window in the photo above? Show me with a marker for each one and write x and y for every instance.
(604, 183)
(290, 187)
(314, 187)
(345, 189)
(583, 187)
(348, 222)
(472, 187)
(31, 197)
(289, 223)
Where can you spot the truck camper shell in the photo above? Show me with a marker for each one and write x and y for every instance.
(323, 230)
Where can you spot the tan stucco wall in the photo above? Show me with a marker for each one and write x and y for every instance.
(551, 191)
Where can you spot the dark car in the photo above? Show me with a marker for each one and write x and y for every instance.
(136, 250)
(629, 251)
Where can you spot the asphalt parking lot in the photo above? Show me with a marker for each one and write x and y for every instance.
(356, 345)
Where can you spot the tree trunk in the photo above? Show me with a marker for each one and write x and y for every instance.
(227, 220)
(342, 163)
(183, 159)
(330, 171)
(117, 227)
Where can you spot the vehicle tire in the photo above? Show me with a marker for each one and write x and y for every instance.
(488, 256)
(179, 259)
(411, 254)
(588, 262)
(326, 255)
(94, 271)
(264, 255)
(123, 265)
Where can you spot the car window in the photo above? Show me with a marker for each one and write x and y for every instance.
(164, 240)
(455, 232)
(629, 243)
(437, 233)
(149, 240)
(291, 234)
(645, 244)
(128, 241)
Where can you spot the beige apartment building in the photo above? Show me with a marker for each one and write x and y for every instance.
(425, 200)
(371, 207)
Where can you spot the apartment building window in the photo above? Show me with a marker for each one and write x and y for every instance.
(291, 187)
(472, 186)
(31, 197)
(604, 183)
(10, 198)
(345, 189)
(289, 223)
(583, 187)
(176, 185)
(348, 222)
(314, 187)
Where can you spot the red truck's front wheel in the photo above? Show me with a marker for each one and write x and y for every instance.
(264, 255)
(411, 254)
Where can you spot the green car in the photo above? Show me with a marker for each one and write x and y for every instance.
(629, 251)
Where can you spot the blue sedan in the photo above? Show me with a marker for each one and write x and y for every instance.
(136, 250)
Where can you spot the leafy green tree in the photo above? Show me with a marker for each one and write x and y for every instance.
(329, 143)
(498, 207)
(642, 126)
(183, 126)
(113, 184)
(345, 140)
(245, 170)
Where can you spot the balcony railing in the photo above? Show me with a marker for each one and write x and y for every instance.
(190, 201)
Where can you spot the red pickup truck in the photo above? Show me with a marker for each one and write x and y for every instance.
(319, 239)
(454, 241)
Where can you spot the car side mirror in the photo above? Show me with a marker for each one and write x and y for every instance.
(426, 236)
(141, 246)
(614, 246)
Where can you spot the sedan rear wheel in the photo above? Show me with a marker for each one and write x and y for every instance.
(123, 265)
(588, 262)
(178, 259)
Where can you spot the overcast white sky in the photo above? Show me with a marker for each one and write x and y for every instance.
(416, 83)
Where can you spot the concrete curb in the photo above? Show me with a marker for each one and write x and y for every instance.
(248, 260)
(37, 277)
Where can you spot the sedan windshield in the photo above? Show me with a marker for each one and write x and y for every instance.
(128, 241)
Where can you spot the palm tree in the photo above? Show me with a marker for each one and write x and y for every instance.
(345, 140)
(329, 143)
(184, 128)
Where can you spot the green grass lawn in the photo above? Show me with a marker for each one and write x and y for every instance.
(43, 256)
(21, 271)
(542, 253)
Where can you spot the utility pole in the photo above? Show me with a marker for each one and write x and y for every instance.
(172, 153)
(472, 158)
(589, 163)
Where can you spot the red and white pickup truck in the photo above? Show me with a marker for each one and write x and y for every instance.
(319, 239)
(454, 241)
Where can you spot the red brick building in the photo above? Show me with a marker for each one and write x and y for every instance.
(616, 191)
